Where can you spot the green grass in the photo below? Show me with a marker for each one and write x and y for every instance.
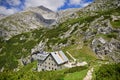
(108, 36)
(76, 76)
(15, 48)
(108, 72)
(83, 54)
(116, 24)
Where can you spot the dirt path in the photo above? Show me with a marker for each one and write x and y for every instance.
(89, 74)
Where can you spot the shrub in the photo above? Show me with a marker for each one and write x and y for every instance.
(112, 35)
(108, 72)
(98, 45)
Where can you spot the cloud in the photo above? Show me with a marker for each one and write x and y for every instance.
(13, 2)
(85, 4)
(81, 3)
(13, 6)
(16, 5)
(8, 7)
(51, 4)
(75, 2)
(6, 11)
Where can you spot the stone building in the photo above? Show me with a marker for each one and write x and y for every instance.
(51, 61)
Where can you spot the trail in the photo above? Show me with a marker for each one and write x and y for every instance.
(71, 56)
(89, 74)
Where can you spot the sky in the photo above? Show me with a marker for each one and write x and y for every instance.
(8, 7)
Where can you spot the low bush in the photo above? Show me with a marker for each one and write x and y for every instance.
(108, 72)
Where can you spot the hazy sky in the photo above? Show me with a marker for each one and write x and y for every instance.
(8, 7)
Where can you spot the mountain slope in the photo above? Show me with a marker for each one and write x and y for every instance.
(84, 36)
(33, 18)
(92, 9)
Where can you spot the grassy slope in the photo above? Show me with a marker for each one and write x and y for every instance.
(107, 72)
(76, 75)
(83, 54)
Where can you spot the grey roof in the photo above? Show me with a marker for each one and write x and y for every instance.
(59, 57)
(40, 56)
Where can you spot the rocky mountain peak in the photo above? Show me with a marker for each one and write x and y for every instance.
(2, 16)
(45, 12)
(27, 20)
(44, 8)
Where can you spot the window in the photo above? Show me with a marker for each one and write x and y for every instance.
(49, 67)
(39, 64)
(60, 67)
(51, 58)
(45, 66)
(45, 62)
(52, 68)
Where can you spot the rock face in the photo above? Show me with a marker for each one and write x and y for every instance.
(105, 39)
(65, 14)
(111, 48)
(39, 47)
(45, 12)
